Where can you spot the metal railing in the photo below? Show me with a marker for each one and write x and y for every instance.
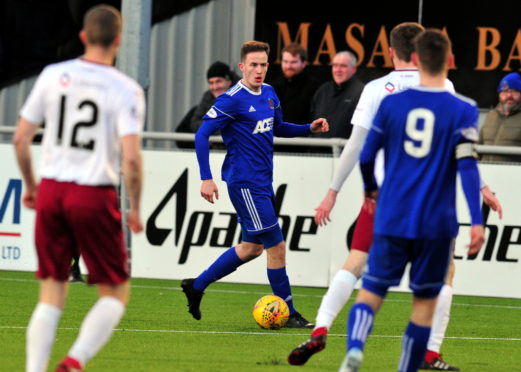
(336, 144)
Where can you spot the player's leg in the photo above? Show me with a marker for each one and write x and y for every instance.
(278, 277)
(433, 359)
(41, 330)
(386, 263)
(429, 265)
(224, 265)
(359, 326)
(414, 342)
(228, 262)
(250, 247)
(344, 281)
(54, 251)
(97, 326)
(339, 290)
(93, 215)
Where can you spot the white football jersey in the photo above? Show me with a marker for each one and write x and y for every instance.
(373, 94)
(86, 107)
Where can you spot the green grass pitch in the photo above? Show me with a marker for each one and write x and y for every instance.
(158, 334)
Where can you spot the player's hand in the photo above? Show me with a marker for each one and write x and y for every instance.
(477, 238)
(319, 125)
(29, 198)
(324, 209)
(490, 199)
(208, 189)
(134, 221)
(370, 201)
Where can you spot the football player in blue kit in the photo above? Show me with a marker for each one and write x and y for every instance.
(427, 135)
(248, 116)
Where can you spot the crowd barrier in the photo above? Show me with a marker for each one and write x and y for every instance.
(184, 233)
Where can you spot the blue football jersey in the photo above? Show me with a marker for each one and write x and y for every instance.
(419, 130)
(248, 121)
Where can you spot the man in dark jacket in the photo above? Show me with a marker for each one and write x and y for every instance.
(336, 100)
(220, 79)
(295, 87)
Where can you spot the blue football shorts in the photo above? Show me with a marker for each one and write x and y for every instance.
(388, 259)
(255, 207)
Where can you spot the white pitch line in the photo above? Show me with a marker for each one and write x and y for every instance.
(294, 295)
(267, 333)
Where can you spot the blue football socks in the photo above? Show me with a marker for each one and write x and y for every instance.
(280, 286)
(226, 264)
(414, 346)
(359, 325)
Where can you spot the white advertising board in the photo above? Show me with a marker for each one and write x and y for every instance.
(16, 222)
(184, 233)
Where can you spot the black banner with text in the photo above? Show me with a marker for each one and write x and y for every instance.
(486, 37)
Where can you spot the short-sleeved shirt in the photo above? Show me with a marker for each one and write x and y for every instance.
(87, 107)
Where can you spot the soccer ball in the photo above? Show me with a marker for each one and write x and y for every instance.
(271, 312)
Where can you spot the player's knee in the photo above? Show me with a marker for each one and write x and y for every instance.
(248, 251)
(355, 263)
(120, 291)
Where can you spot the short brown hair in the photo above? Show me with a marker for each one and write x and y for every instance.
(254, 46)
(433, 49)
(402, 37)
(102, 24)
(296, 49)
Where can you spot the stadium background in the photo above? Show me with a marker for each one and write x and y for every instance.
(185, 38)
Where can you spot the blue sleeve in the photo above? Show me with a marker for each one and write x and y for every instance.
(202, 148)
(218, 117)
(284, 129)
(367, 160)
(470, 181)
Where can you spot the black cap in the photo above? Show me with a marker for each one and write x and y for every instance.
(218, 69)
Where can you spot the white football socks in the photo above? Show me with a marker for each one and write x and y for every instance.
(96, 329)
(335, 298)
(41, 332)
(441, 317)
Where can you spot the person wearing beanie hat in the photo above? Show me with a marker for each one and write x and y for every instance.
(502, 125)
(220, 79)
(510, 81)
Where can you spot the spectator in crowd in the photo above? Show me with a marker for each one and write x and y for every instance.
(336, 100)
(295, 87)
(220, 78)
(502, 125)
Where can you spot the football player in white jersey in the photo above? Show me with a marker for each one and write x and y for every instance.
(404, 75)
(93, 114)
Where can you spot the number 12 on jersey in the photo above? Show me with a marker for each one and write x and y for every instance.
(82, 106)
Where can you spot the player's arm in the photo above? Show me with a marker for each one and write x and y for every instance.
(31, 117)
(490, 199)
(470, 182)
(367, 160)
(202, 150)
(23, 137)
(346, 164)
(132, 167)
